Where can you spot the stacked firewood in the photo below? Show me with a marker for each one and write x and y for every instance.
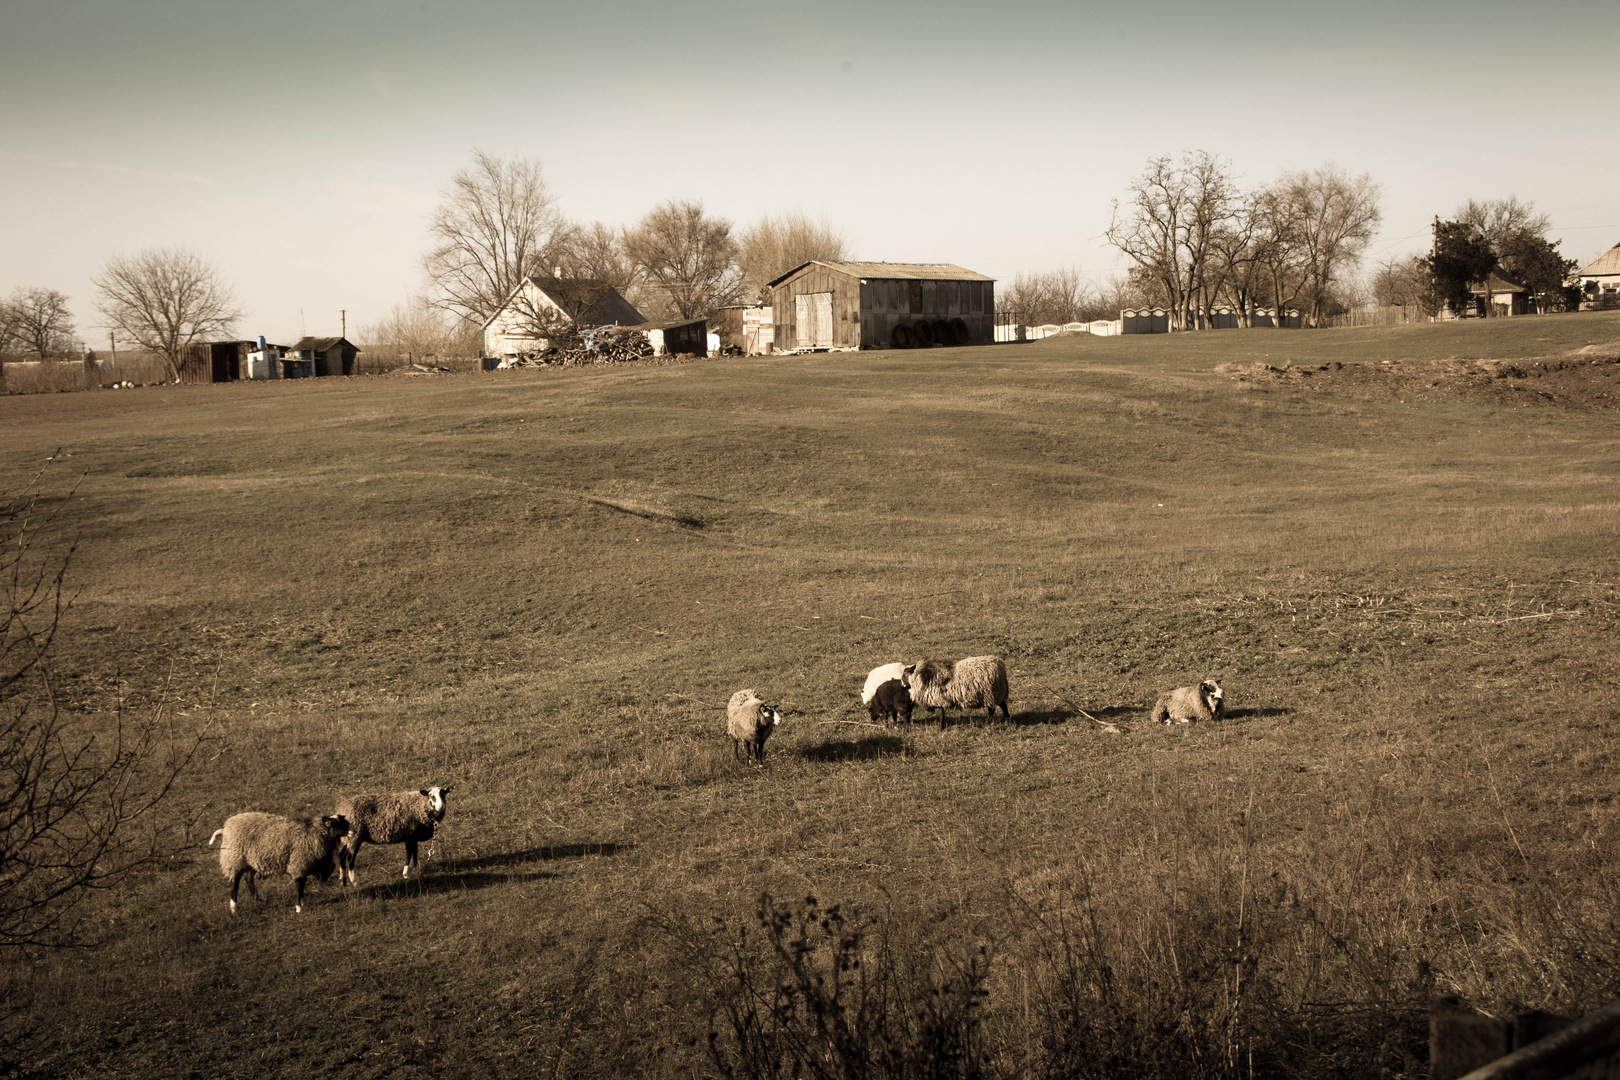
(590, 347)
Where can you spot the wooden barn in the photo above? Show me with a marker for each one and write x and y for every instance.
(861, 305)
(750, 328)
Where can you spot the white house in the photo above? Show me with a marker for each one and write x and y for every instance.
(513, 329)
(1600, 281)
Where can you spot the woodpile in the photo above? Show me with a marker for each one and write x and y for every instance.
(590, 347)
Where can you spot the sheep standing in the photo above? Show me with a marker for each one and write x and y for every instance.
(885, 693)
(400, 817)
(257, 844)
(971, 683)
(1187, 704)
(749, 722)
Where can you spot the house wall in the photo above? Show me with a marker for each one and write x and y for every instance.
(506, 335)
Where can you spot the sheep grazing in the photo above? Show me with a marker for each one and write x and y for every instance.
(1188, 704)
(749, 722)
(400, 817)
(257, 843)
(972, 683)
(885, 693)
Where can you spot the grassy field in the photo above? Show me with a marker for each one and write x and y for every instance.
(540, 587)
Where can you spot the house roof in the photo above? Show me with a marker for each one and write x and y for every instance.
(1497, 281)
(1606, 264)
(885, 270)
(607, 308)
(672, 324)
(321, 344)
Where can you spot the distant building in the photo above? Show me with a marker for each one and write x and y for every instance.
(223, 361)
(1600, 280)
(1499, 294)
(514, 329)
(319, 356)
(680, 337)
(861, 305)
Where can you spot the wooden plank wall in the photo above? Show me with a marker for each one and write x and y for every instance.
(846, 299)
(890, 302)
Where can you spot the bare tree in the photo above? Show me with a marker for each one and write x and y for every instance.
(1334, 217)
(1058, 296)
(774, 245)
(1406, 282)
(165, 299)
(596, 252)
(38, 320)
(1502, 220)
(1170, 227)
(498, 224)
(690, 257)
(77, 807)
(418, 328)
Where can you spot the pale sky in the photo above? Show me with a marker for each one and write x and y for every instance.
(302, 146)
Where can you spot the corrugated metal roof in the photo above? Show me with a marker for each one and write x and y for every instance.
(1607, 263)
(885, 270)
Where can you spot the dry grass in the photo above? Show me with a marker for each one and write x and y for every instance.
(540, 587)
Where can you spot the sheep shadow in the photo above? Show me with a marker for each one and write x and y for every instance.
(1234, 714)
(464, 875)
(864, 748)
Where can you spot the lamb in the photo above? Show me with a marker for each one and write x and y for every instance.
(885, 694)
(749, 722)
(877, 677)
(1187, 704)
(400, 817)
(257, 843)
(971, 683)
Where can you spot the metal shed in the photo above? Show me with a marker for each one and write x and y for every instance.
(217, 361)
(861, 305)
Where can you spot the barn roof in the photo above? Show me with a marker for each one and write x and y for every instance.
(321, 344)
(1606, 264)
(887, 270)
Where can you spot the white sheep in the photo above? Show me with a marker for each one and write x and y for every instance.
(400, 817)
(1187, 704)
(877, 677)
(749, 722)
(971, 683)
(257, 843)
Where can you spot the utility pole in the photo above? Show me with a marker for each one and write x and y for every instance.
(343, 321)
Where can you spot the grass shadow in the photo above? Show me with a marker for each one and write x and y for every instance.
(1234, 714)
(539, 854)
(433, 883)
(863, 749)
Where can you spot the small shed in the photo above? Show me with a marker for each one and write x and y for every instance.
(748, 327)
(319, 356)
(682, 337)
(219, 361)
(860, 305)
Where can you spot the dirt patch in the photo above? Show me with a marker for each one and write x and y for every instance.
(1586, 379)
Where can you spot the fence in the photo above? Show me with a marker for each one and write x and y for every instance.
(1373, 315)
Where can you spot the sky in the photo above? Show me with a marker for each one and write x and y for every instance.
(301, 147)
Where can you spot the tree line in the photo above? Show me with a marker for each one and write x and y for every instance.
(1501, 235)
(1197, 240)
(500, 223)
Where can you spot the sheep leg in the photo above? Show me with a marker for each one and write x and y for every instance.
(348, 855)
(410, 859)
(246, 871)
(734, 745)
(298, 901)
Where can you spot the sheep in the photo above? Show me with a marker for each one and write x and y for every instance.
(891, 701)
(877, 677)
(884, 694)
(400, 817)
(257, 843)
(749, 722)
(971, 683)
(1187, 704)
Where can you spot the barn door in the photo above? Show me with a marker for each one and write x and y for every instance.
(824, 319)
(812, 313)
